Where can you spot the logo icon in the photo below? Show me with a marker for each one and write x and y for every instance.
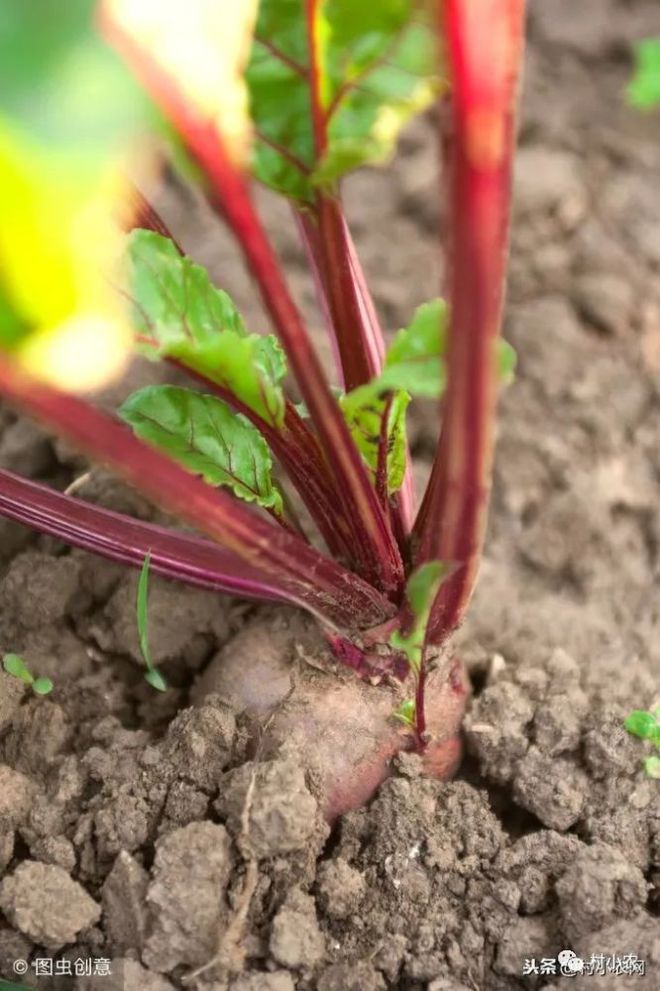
(569, 963)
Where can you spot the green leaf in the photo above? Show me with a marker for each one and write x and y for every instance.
(415, 360)
(641, 724)
(421, 590)
(204, 435)
(152, 675)
(178, 313)
(13, 328)
(377, 69)
(507, 360)
(154, 678)
(364, 413)
(644, 87)
(413, 366)
(175, 298)
(406, 712)
(17, 668)
(71, 110)
(386, 78)
(142, 613)
(397, 450)
(251, 368)
(67, 87)
(652, 767)
(42, 686)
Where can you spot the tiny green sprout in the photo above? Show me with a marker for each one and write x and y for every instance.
(644, 87)
(406, 712)
(154, 678)
(645, 724)
(641, 724)
(17, 668)
(152, 675)
(652, 767)
(421, 590)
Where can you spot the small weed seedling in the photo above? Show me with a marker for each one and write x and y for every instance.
(17, 668)
(644, 87)
(152, 675)
(293, 95)
(646, 725)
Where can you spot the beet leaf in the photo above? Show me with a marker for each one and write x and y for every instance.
(378, 427)
(208, 438)
(376, 66)
(178, 313)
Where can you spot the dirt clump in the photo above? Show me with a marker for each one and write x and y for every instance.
(44, 903)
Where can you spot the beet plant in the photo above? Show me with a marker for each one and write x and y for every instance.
(293, 94)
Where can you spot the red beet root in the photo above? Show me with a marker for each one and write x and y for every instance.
(340, 728)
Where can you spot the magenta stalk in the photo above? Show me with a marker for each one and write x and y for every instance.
(484, 44)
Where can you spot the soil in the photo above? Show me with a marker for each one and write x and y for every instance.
(138, 827)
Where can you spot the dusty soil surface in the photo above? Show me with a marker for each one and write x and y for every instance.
(133, 826)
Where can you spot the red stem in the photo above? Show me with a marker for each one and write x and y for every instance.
(120, 538)
(484, 41)
(375, 546)
(364, 328)
(360, 362)
(360, 359)
(299, 454)
(358, 337)
(383, 451)
(370, 323)
(309, 235)
(304, 575)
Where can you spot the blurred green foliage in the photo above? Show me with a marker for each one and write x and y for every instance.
(377, 69)
(61, 84)
(644, 87)
(68, 112)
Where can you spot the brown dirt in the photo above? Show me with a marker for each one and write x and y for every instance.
(138, 827)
